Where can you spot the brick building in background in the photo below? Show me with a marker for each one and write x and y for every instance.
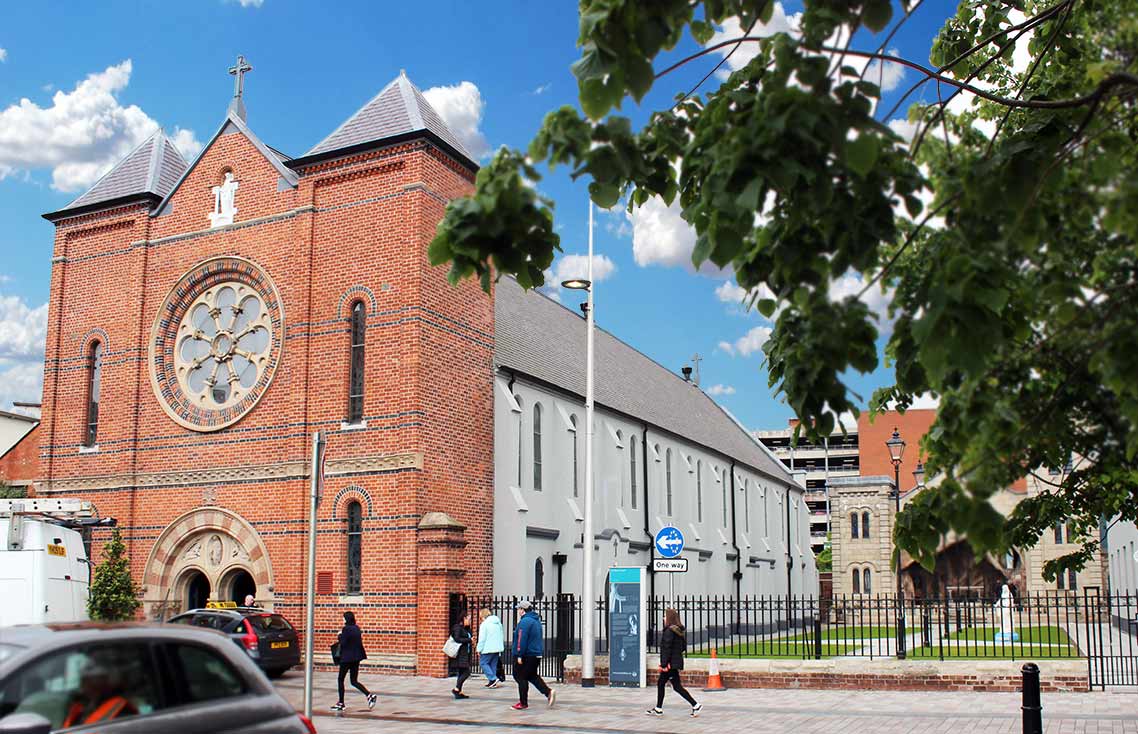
(19, 448)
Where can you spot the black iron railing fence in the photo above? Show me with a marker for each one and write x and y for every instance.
(1101, 628)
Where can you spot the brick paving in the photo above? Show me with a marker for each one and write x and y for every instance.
(425, 705)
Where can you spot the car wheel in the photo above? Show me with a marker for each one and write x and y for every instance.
(275, 673)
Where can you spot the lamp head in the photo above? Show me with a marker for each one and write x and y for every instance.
(577, 284)
(896, 447)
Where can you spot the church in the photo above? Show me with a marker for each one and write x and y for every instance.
(208, 317)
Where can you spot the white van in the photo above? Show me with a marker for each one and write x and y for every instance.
(44, 573)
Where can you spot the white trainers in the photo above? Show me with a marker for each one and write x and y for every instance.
(552, 697)
(655, 712)
(696, 709)
(371, 699)
(338, 706)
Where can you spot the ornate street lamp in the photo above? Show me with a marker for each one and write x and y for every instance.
(919, 475)
(896, 448)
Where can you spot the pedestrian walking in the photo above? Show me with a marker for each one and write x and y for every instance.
(673, 644)
(460, 633)
(491, 643)
(527, 650)
(351, 653)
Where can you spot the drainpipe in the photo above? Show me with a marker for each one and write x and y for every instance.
(789, 557)
(738, 575)
(647, 529)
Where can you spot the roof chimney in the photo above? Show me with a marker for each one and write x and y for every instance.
(687, 373)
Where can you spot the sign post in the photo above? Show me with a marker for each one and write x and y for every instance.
(628, 636)
(669, 544)
(310, 578)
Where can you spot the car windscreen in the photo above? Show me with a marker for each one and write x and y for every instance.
(7, 650)
(268, 622)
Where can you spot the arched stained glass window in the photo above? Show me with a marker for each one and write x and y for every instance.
(356, 375)
(94, 380)
(537, 446)
(355, 547)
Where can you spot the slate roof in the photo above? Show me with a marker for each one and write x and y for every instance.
(539, 337)
(399, 109)
(151, 168)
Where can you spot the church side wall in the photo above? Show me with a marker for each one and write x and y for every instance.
(534, 524)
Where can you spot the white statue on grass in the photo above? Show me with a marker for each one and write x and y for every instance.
(1005, 608)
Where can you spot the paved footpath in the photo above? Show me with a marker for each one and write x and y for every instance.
(425, 705)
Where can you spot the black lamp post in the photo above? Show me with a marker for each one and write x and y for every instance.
(896, 450)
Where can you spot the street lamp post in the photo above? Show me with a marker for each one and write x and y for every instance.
(588, 635)
(896, 450)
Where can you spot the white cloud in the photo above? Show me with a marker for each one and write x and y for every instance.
(780, 23)
(720, 390)
(888, 74)
(747, 344)
(81, 135)
(926, 400)
(660, 236)
(575, 266)
(3, 54)
(460, 105)
(249, 3)
(878, 301)
(907, 130)
(23, 330)
(543, 88)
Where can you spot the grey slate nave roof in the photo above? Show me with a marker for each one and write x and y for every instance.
(539, 337)
(399, 109)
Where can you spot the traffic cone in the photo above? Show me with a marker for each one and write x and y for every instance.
(714, 682)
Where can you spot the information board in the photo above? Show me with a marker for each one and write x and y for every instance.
(627, 635)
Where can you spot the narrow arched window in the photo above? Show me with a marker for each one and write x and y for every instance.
(355, 546)
(853, 525)
(573, 421)
(537, 446)
(865, 526)
(521, 440)
(856, 581)
(698, 491)
(723, 490)
(632, 467)
(538, 579)
(746, 506)
(866, 587)
(668, 479)
(356, 375)
(620, 447)
(94, 378)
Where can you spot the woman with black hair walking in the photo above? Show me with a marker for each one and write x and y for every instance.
(673, 644)
(351, 653)
(460, 632)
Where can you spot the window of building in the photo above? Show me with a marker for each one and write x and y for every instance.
(865, 525)
(766, 514)
(537, 446)
(698, 491)
(856, 581)
(1072, 579)
(723, 489)
(632, 467)
(1059, 533)
(1059, 581)
(573, 421)
(521, 438)
(94, 379)
(866, 588)
(746, 506)
(668, 479)
(356, 376)
(538, 579)
(355, 546)
(853, 525)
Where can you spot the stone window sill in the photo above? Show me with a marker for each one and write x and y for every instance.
(89, 449)
(350, 599)
(353, 426)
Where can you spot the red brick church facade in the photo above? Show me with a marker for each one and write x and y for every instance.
(201, 447)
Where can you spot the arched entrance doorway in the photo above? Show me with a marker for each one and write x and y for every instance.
(238, 585)
(197, 590)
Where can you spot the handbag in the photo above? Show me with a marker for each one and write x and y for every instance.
(335, 653)
(451, 648)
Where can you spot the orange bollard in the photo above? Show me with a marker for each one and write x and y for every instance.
(714, 681)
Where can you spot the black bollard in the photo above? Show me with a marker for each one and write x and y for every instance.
(1032, 707)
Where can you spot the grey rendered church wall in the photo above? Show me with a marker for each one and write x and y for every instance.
(532, 524)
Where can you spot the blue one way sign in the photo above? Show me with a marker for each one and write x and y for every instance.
(669, 542)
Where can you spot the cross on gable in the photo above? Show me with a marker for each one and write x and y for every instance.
(238, 71)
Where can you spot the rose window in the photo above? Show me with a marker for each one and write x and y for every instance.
(216, 343)
(224, 345)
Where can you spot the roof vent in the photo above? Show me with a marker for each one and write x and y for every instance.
(687, 373)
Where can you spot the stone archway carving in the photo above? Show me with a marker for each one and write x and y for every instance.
(212, 540)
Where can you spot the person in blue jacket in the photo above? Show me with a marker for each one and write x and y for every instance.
(351, 653)
(527, 650)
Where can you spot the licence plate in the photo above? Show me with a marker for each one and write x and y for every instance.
(277, 645)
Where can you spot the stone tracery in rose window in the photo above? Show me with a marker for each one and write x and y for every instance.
(223, 345)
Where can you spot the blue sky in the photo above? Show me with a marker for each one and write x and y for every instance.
(314, 64)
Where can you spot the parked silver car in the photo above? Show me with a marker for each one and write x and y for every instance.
(135, 678)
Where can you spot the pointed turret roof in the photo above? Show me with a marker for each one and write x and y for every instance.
(399, 111)
(148, 171)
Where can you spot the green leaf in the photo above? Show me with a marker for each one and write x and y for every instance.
(766, 306)
(701, 31)
(876, 14)
(861, 153)
(605, 196)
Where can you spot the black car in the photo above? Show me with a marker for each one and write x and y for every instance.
(268, 638)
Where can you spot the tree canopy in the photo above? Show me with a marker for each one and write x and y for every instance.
(1003, 232)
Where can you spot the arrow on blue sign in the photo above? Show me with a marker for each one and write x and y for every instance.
(669, 542)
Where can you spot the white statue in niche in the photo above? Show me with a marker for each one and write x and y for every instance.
(1005, 608)
(224, 202)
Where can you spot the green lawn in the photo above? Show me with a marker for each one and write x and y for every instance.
(972, 652)
(1050, 635)
(776, 649)
(856, 632)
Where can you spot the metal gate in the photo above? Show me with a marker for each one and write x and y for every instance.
(560, 626)
(1110, 639)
